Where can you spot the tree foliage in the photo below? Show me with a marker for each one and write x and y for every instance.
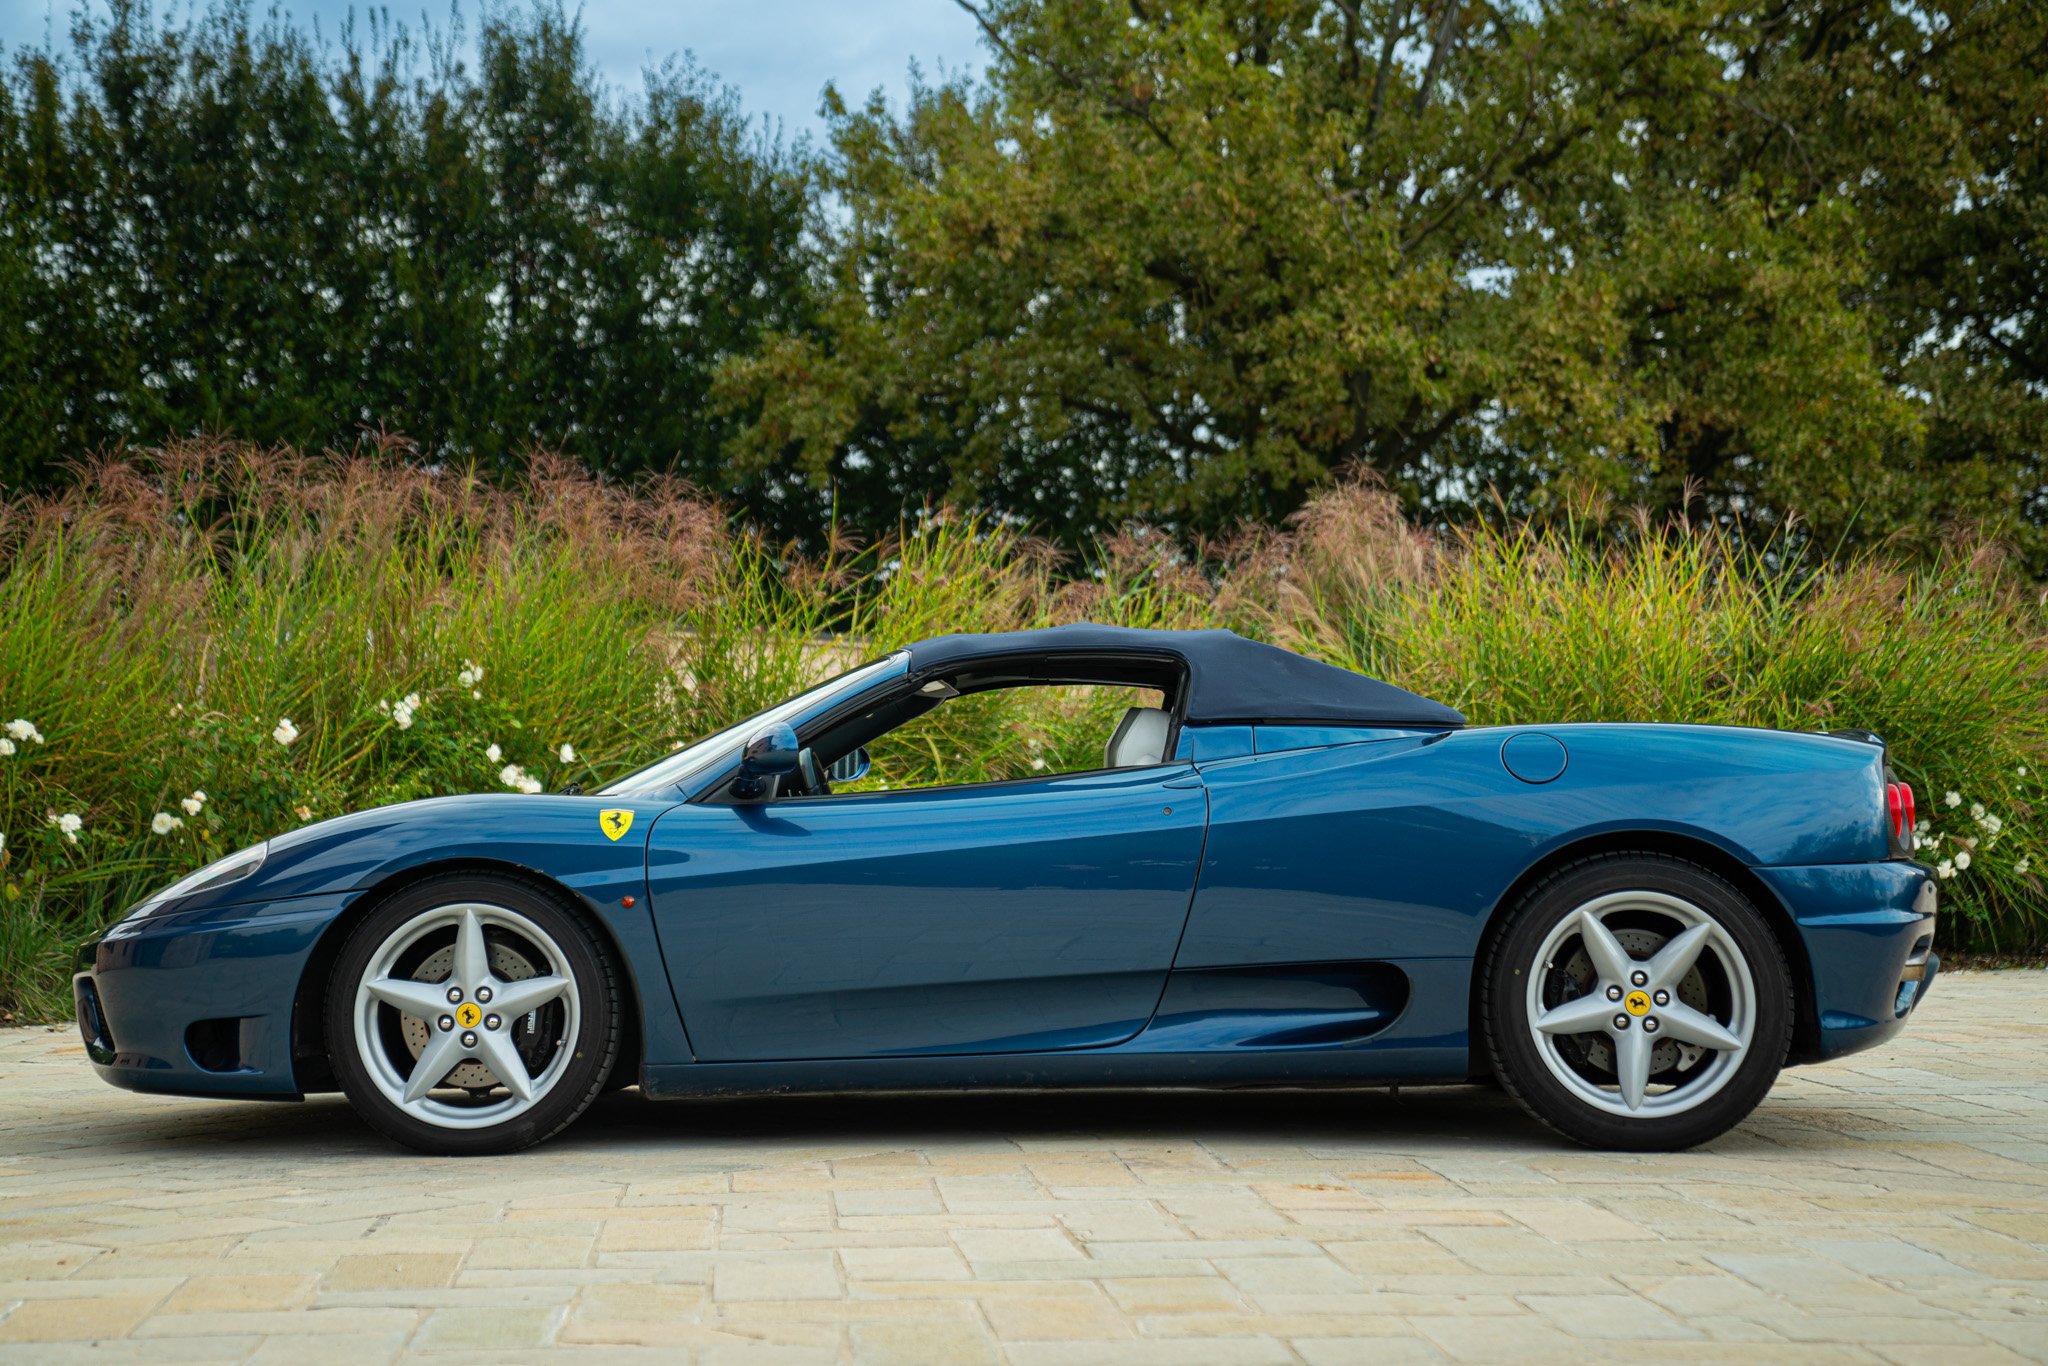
(226, 227)
(1181, 260)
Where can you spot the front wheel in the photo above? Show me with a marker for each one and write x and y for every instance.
(1637, 1002)
(472, 1015)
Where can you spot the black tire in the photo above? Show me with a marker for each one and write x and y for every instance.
(1504, 1005)
(593, 1051)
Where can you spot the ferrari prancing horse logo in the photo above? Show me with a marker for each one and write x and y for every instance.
(1638, 1003)
(467, 1015)
(614, 823)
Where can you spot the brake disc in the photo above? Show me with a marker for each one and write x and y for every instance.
(506, 962)
(1669, 1054)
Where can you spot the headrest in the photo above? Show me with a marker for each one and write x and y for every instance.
(1140, 739)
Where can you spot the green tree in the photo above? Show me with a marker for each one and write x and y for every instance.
(1179, 261)
(224, 227)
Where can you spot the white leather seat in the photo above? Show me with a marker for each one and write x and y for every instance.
(1140, 739)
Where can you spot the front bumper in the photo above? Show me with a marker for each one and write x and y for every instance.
(1868, 932)
(201, 1003)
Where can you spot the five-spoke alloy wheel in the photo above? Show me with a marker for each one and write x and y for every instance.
(472, 1014)
(1637, 1001)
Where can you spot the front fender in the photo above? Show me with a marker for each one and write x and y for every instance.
(338, 864)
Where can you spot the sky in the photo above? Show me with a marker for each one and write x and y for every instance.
(779, 53)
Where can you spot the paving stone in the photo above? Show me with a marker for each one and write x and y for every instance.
(204, 1294)
(486, 1329)
(391, 1271)
(1888, 1210)
(85, 1320)
(1066, 1318)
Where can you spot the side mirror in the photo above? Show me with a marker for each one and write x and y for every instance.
(850, 768)
(769, 754)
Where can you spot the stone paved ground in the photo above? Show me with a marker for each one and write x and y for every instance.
(1893, 1208)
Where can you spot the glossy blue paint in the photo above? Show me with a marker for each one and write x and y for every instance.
(1406, 847)
(233, 955)
(1860, 922)
(1279, 739)
(1284, 903)
(1425, 1043)
(1533, 757)
(1296, 1005)
(1006, 917)
(156, 977)
(1213, 744)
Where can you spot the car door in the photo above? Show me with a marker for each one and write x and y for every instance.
(996, 918)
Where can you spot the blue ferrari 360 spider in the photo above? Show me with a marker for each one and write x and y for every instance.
(1282, 873)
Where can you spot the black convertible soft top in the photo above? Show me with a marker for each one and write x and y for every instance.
(1230, 679)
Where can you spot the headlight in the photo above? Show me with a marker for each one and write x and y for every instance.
(219, 873)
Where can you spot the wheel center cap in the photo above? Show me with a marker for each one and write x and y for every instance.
(468, 1014)
(1636, 1003)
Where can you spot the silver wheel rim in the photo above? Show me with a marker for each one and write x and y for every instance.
(1664, 975)
(466, 1016)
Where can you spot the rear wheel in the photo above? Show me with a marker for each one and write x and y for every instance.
(1637, 1002)
(472, 1015)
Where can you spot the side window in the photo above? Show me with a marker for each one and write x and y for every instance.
(1000, 734)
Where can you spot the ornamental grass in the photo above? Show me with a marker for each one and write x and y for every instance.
(207, 644)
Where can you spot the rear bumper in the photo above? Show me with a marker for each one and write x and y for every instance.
(1868, 932)
(200, 1004)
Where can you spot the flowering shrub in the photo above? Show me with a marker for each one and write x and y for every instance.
(218, 644)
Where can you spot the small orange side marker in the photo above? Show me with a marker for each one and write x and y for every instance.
(627, 902)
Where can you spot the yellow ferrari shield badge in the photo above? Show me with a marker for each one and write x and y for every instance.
(614, 823)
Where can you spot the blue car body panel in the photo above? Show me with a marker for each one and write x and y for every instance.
(1014, 918)
(1274, 903)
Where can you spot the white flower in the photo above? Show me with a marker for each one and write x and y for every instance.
(567, 754)
(1944, 869)
(1037, 765)
(18, 729)
(2021, 867)
(285, 732)
(384, 707)
(412, 701)
(494, 754)
(471, 675)
(69, 824)
(401, 715)
(1977, 811)
(1962, 860)
(513, 776)
(163, 823)
(6, 748)
(2023, 770)
(193, 803)
(3, 841)
(477, 695)
(1954, 798)
(1992, 824)
(1923, 827)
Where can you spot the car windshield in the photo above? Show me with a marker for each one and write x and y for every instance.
(665, 773)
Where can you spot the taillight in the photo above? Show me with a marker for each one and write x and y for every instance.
(1899, 801)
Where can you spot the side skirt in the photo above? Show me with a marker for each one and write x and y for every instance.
(1416, 1066)
(1426, 1044)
